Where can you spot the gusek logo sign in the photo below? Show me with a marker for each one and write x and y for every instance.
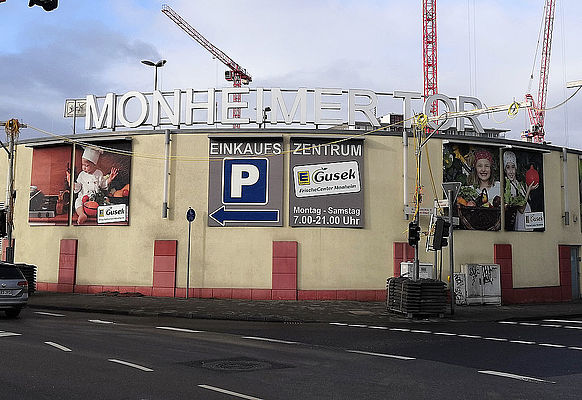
(113, 213)
(534, 220)
(326, 179)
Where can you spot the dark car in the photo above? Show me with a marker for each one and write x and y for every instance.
(13, 290)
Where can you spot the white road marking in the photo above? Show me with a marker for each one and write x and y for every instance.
(521, 342)
(513, 376)
(551, 325)
(98, 321)
(58, 346)
(268, 340)
(170, 328)
(242, 396)
(131, 365)
(496, 339)
(471, 336)
(567, 321)
(552, 345)
(381, 355)
(7, 334)
(49, 314)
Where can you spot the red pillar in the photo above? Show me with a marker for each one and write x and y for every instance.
(284, 275)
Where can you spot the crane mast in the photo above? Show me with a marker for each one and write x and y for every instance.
(237, 74)
(429, 51)
(537, 111)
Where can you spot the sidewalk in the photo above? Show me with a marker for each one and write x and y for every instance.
(283, 311)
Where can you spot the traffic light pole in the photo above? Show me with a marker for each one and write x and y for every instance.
(416, 263)
(451, 252)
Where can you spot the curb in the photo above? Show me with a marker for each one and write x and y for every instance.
(176, 314)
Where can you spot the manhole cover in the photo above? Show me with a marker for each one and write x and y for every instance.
(236, 365)
(239, 364)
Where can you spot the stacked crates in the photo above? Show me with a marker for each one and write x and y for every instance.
(424, 297)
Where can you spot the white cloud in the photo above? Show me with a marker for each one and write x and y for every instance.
(96, 47)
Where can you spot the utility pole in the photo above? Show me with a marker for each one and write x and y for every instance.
(12, 128)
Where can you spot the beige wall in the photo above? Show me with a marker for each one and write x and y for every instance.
(241, 257)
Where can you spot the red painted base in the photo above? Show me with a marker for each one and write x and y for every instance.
(221, 293)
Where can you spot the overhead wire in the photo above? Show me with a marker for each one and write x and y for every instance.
(95, 146)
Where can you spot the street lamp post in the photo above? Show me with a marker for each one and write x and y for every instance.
(157, 65)
(265, 111)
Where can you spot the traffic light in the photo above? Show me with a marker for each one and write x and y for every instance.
(440, 238)
(47, 5)
(2, 223)
(413, 234)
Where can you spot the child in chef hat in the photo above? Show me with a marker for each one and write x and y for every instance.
(90, 180)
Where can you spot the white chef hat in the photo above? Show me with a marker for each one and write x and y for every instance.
(509, 157)
(91, 154)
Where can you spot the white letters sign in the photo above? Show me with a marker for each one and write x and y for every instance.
(262, 106)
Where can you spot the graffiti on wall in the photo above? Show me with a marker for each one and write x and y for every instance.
(460, 289)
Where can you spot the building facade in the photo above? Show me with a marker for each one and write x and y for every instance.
(289, 214)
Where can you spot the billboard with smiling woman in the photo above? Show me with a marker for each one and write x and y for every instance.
(479, 199)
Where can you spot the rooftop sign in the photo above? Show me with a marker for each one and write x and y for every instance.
(319, 107)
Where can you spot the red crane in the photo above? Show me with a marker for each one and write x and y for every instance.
(237, 74)
(429, 51)
(537, 111)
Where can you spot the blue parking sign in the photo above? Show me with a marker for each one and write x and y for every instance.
(245, 181)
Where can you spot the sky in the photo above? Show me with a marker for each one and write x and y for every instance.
(486, 49)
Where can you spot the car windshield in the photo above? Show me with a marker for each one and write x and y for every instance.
(10, 273)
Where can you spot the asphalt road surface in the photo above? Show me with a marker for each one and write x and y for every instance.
(67, 355)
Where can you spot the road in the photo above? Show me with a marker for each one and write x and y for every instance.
(67, 355)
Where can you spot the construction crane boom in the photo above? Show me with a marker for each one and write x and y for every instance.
(215, 51)
(429, 51)
(537, 112)
(237, 74)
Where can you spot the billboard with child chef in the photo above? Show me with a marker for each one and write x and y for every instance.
(100, 185)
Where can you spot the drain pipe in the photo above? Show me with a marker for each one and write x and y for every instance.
(407, 114)
(565, 186)
(166, 174)
(405, 169)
